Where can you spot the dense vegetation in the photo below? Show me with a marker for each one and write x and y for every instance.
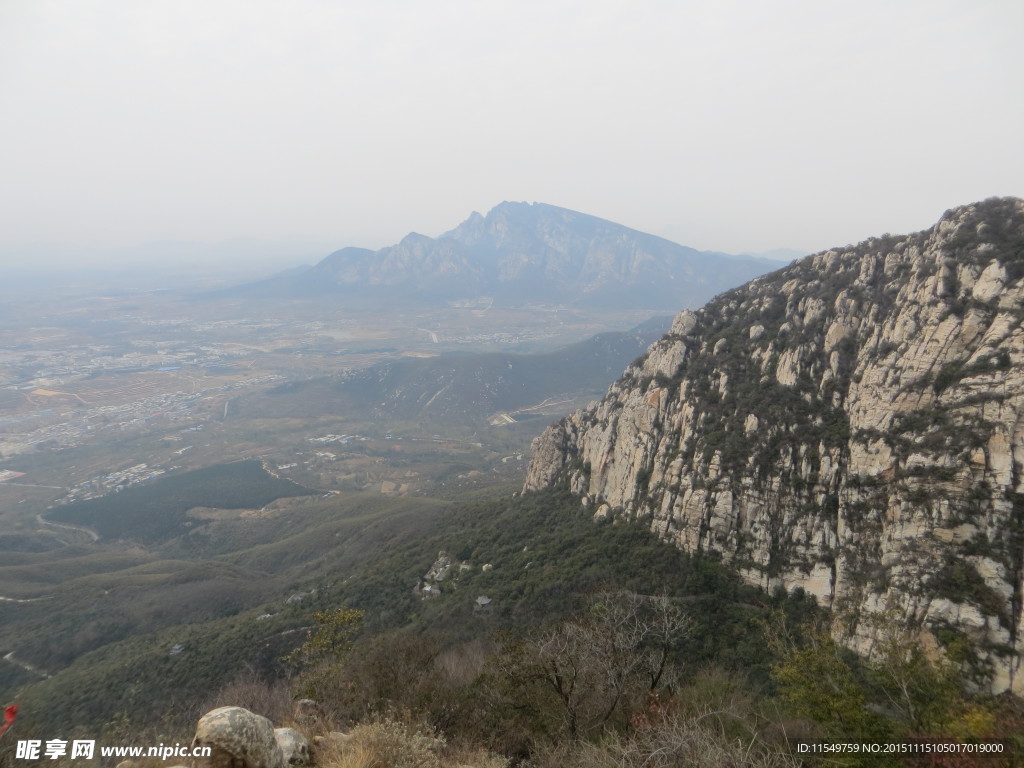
(662, 649)
(544, 557)
(458, 389)
(157, 511)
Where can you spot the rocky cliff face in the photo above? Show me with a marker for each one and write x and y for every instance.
(852, 424)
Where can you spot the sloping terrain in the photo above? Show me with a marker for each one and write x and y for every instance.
(158, 511)
(852, 424)
(465, 389)
(152, 638)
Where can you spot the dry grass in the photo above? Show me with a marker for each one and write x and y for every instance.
(675, 742)
(387, 742)
(338, 755)
(251, 692)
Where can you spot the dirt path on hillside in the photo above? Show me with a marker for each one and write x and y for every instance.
(92, 534)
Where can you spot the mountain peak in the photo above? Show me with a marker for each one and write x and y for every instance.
(523, 253)
(524, 214)
(415, 238)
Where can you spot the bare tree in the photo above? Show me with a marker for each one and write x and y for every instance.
(604, 662)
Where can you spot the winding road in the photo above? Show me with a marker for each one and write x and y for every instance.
(27, 667)
(92, 534)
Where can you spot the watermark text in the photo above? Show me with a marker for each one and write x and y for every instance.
(85, 749)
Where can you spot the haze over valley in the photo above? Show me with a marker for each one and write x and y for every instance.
(112, 400)
(500, 386)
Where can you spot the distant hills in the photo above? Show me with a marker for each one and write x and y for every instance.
(523, 253)
(460, 388)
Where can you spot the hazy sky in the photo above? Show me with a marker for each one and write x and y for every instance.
(736, 125)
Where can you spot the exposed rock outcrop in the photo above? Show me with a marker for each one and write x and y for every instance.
(294, 746)
(852, 424)
(238, 738)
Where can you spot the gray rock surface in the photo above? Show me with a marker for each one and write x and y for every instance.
(852, 424)
(238, 739)
(294, 746)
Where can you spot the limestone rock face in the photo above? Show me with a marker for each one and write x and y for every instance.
(852, 424)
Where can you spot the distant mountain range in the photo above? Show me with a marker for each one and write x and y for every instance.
(522, 253)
